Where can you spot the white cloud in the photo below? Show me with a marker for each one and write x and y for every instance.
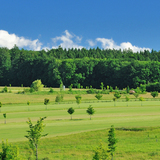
(110, 44)
(9, 40)
(67, 41)
(91, 43)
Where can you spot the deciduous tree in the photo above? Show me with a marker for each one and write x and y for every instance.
(5, 116)
(46, 101)
(78, 99)
(154, 94)
(98, 96)
(90, 111)
(34, 134)
(70, 111)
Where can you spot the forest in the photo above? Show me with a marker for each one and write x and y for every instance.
(87, 67)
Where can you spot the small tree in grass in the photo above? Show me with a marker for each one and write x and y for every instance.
(101, 153)
(127, 99)
(98, 96)
(70, 111)
(154, 94)
(141, 99)
(0, 106)
(5, 89)
(9, 152)
(117, 95)
(102, 85)
(112, 141)
(34, 134)
(136, 95)
(90, 111)
(59, 98)
(28, 103)
(114, 99)
(5, 116)
(78, 99)
(46, 102)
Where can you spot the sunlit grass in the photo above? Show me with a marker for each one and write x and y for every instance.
(77, 138)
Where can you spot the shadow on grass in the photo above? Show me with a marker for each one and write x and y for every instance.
(76, 119)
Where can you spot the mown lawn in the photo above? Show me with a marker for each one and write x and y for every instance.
(77, 138)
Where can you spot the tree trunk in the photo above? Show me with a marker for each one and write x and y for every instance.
(36, 152)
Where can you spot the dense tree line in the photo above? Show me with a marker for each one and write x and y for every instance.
(74, 66)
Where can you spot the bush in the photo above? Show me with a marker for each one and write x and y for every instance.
(9, 151)
(92, 91)
(136, 95)
(98, 96)
(143, 88)
(117, 95)
(5, 89)
(111, 89)
(51, 90)
(37, 85)
(154, 94)
(59, 98)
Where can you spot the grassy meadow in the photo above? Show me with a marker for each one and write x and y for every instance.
(137, 124)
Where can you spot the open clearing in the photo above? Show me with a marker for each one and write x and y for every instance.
(77, 138)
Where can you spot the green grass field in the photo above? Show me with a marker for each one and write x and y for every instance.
(76, 139)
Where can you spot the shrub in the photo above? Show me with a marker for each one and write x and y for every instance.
(111, 89)
(117, 95)
(78, 85)
(70, 87)
(37, 85)
(5, 89)
(98, 96)
(143, 88)
(59, 98)
(136, 95)
(154, 94)
(101, 153)
(92, 91)
(141, 98)
(31, 90)
(9, 151)
(51, 90)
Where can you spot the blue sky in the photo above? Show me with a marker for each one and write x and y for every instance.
(46, 24)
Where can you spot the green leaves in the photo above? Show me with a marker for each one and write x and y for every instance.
(112, 140)
(35, 133)
(9, 152)
(37, 85)
(117, 95)
(98, 96)
(90, 111)
(154, 94)
(70, 111)
(78, 99)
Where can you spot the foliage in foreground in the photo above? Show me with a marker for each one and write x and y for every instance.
(112, 141)
(9, 152)
(101, 153)
(34, 134)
